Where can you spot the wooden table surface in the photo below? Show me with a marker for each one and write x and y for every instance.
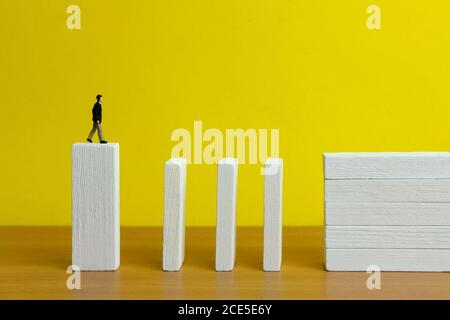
(33, 262)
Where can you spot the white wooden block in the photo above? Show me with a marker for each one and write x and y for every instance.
(174, 213)
(387, 237)
(387, 214)
(390, 190)
(387, 165)
(273, 210)
(414, 260)
(95, 206)
(226, 214)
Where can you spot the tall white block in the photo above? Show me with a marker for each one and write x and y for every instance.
(96, 206)
(174, 213)
(226, 214)
(273, 208)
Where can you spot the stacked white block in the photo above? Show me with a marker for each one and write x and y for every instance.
(226, 214)
(174, 213)
(273, 209)
(387, 209)
(95, 206)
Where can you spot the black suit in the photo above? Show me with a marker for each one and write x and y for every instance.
(97, 120)
(97, 112)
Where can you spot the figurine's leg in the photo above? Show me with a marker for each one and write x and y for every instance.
(91, 134)
(100, 132)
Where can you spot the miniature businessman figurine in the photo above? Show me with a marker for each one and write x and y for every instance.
(97, 120)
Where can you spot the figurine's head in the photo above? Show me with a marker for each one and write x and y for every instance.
(99, 98)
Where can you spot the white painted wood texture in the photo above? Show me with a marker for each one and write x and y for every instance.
(96, 206)
(387, 214)
(174, 213)
(388, 209)
(413, 260)
(384, 237)
(273, 211)
(391, 190)
(387, 165)
(226, 214)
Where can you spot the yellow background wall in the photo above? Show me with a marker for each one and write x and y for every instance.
(310, 68)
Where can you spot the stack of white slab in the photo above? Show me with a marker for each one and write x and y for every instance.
(391, 210)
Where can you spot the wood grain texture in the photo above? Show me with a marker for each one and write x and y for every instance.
(174, 213)
(227, 173)
(408, 190)
(410, 260)
(387, 165)
(273, 214)
(387, 237)
(387, 214)
(33, 264)
(96, 206)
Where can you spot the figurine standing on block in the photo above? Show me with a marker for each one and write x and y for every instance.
(97, 120)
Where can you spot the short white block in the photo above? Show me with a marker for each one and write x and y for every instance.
(226, 214)
(412, 260)
(388, 190)
(273, 208)
(95, 206)
(174, 213)
(387, 165)
(387, 214)
(387, 237)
